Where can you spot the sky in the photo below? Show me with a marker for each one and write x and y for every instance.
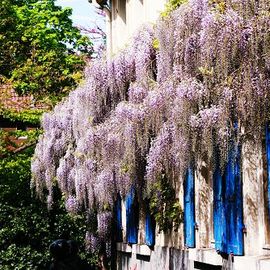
(83, 13)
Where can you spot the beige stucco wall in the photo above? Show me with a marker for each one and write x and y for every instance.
(203, 205)
(125, 17)
(253, 199)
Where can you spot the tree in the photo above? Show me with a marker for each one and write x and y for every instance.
(41, 52)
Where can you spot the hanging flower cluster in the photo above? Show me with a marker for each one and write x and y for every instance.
(170, 98)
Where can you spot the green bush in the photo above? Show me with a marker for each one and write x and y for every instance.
(172, 5)
(27, 228)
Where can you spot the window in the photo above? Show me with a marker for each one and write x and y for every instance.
(132, 217)
(228, 207)
(266, 184)
(118, 214)
(189, 209)
(149, 229)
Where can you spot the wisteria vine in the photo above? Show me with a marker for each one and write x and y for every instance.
(170, 98)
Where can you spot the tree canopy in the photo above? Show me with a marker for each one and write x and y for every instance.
(41, 54)
(41, 51)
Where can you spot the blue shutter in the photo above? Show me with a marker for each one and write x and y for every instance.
(149, 230)
(267, 143)
(132, 218)
(119, 237)
(228, 207)
(189, 209)
(219, 211)
(234, 205)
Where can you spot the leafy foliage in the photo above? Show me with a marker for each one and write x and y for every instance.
(172, 5)
(40, 49)
(164, 205)
(42, 55)
(26, 116)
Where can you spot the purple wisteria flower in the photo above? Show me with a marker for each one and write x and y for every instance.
(92, 242)
(71, 204)
(104, 224)
(153, 107)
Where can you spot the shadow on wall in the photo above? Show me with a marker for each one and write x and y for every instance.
(123, 261)
(178, 259)
(122, 10)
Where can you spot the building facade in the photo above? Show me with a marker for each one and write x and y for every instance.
(226, 213)
(226, 220)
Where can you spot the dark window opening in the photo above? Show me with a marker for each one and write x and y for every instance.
(205, 266)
